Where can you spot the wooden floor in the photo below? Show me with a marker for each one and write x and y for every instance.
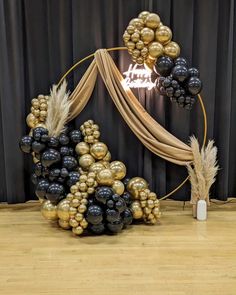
(180, 256)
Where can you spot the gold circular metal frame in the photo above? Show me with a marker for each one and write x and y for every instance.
(199, 99)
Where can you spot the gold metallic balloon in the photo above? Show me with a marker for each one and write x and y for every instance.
(30, 120)
(155, 49)
(105, 177)
(140, 60)
(149, 63)
(136, 210)
(64, 224)
(106, 164)
(139, 45)
(118, 169)
(126, 36)
(144, 52)
(98, 150)
(135, 37)
(49, 211)
(135, 185)
(77, 230)
(73, 222)
(96, 167)
(152, 21)
(118, 187)
(172, 49)
(130, 29)
(131, 45)
(147, 35)
(63, 210)
(137, 23)
(143, 15)
(107, 157)
(82, 148)
(136, 53)
(85, 161)
(163, 34)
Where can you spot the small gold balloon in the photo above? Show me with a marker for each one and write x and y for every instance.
(107, 157)
(136, 53)
(85, 161)
(77, 230)
(49, 211)
(126, 36)
(30, 120)
(43, 106)
(143, 15)
(130, 29)
(118, 187)
(144, 52)
(130, 45)
(139, 45)
(147, 35)
(118, 169)
(137, 23)
(82, 148)
(73, 222)
(64, 224)
(135, 185)
(155, 49)
(163, 34)
(84, 223)
(105, 177)
(152, 21)
(135, 37)
(63, 210)
(136, 210)
(79, 217)
(172, 49)
(98, 150)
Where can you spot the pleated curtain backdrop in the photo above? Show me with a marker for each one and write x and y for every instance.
(41, 39)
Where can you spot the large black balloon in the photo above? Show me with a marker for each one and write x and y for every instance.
(38, 147)
(94, 214)
(55, 192)
(164, 65)
(103, 194)
(73, 178)
(26, 143)
(180, 73)
(49, 157)
(75, 136)
(69, 163)
(194, 85)
(41, 188)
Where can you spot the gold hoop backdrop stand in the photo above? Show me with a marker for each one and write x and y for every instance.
(199, 99)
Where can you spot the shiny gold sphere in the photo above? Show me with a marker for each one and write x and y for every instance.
(107, 157)
(73, 222)
(135, 185)
(85, 161)
(64, 224)
(136, 53)
(147, 35)
(130, 29)
(118, 169)
(96, 167)
(30, 120)
(118, 187)
(172, 49)
(155, 49)
(139, 45)
(135, 37)
(137, 23)
(106, 164)
(63, 210)
(131, 45)
(163, 34)
(98, 150)
(144, 52)
(82, 148)
(105, 177)
(143, 15)
(77, 230)
(126, 36)
(136, 210)
(152, 21)
(49, 211)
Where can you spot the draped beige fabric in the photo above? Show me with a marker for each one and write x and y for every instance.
(150, 133)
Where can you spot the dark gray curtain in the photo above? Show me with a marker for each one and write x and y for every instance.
(40, 39)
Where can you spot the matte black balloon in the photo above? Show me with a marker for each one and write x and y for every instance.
(34, 178)
(65, 151)
(127, 198)
(112, 215)
(25, 143)
(38, 147)
(69, 163)
(193, 72)
(55, 192)
(180, 73)
(53, 142)
(75, 136)
(94, 214)
(73, 178)
(41, 188)
(64, 139)
(38, 132)
(64, 172)
(164, 66)
(103, 194)
(194, 85)
(116, 226)
(97, 229)
(49, 157)
(127, 216)
(38, 169)
(181, 61)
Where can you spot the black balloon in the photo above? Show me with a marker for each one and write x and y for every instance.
(41, 188)
(49, 157)
(69, 162)
(94, 214)
(180, 73)
(116, 226)
(26, 143)
(73, 178)
(54, 173)
(164, 66)
(45, 138)
(103, 194)
(64, 139)
(55, 192)
(194, 85)
(64, 172)
(53, 142)
(97, 229)
(120, 205)
(38, 132)
(112, 215)
(127, 216)
(193, 72)
(127, 198)
(65, 151)
(75, 136)
(125, 181)
(38, 147)
(181, 61)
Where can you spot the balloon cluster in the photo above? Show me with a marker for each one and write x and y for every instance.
(38, 112)
(178, 81)
(147, 39)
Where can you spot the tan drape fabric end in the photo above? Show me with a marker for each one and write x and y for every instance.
(150, 133)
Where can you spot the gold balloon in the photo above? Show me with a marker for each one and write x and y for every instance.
(149, 63)
(105, 177)
(77, 230)
(136, 210)
(152, 21)
(98, 150)
(172, 49)
(139, 45)
(82, 148)
(135, 37)
(96, 167)
(64, 224)
(107, 157)
(126, 36)
(136, 53)
(30, 120)
(130, 29)
(131, 45)
(140, 60)
(144, 52)
(106, 164)
(135, 185)
(118, 187)
(147, 35)
(86, 161)
(63, 210)
(137, 23)
(155, 49)
(118, 169)
(143, 15)
(49, 211)
(163, 34)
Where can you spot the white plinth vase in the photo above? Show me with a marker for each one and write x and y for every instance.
(201, 210)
